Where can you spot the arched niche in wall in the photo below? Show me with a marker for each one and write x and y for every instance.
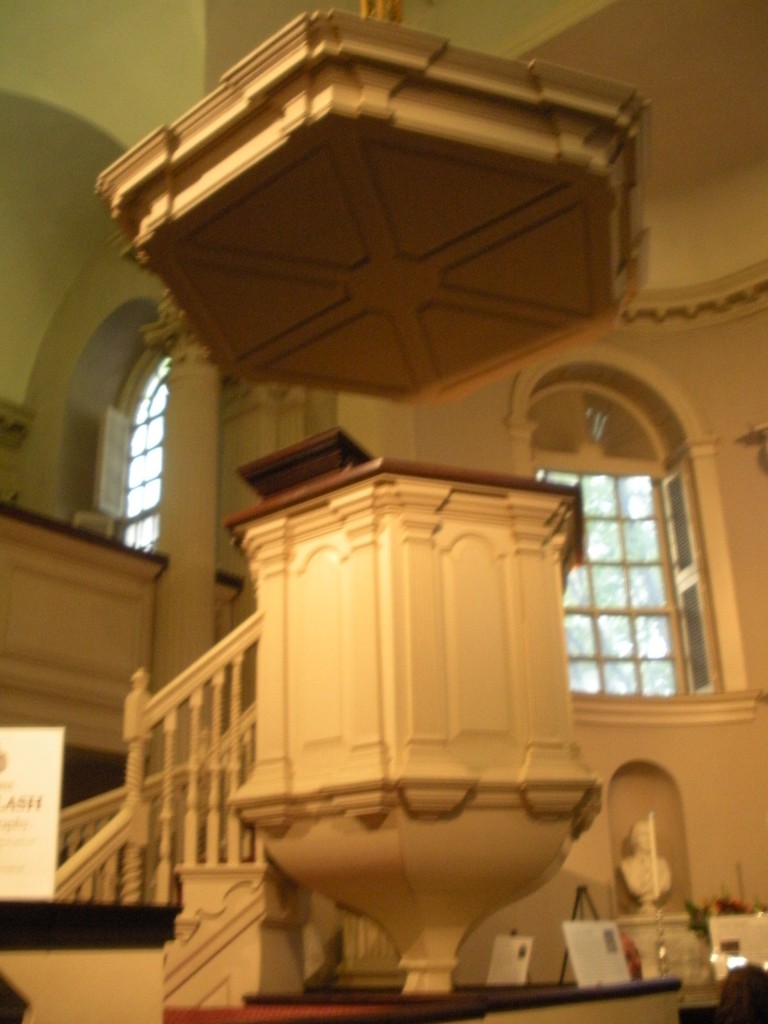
(99, 377)
(635, 790)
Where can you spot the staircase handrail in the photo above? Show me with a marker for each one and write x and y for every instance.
(77, 869)
(93, 809)
(183, 686)
(109, 811)
(95, 852)
(124, 835)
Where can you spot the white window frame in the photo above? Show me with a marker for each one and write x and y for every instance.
(680, 586)
(693, 450)
(115, 458)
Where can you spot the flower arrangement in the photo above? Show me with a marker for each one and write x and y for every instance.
(700, 913)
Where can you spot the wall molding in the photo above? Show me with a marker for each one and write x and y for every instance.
(702, 709)
(726, 298)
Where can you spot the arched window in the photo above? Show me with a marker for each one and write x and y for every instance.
(130, 456)
(141, 527)
(636, 611)
(626, 634)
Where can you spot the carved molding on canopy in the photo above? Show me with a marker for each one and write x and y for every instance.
(361, 206)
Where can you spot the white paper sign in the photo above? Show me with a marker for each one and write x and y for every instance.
(596, 952)
(738, 939)
(30, 797)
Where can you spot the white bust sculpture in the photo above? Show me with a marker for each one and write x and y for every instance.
(638, 869)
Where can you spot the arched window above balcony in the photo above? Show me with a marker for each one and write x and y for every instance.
(144, 469)
(640, 616)
(131, 458)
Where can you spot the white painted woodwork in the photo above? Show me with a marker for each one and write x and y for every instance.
(415, 758)
(364, 207)
(188, 526)
(78, 617)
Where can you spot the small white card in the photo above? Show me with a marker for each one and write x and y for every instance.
(738, 939)
(596, 953)
(510, 957)
(30, 798)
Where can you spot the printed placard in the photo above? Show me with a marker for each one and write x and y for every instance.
(738, 939)
(31, 762)
(596, 952)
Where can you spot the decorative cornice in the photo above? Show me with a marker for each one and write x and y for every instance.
(14, 424)
(726, 298)
(170, 332)
(381, 122)
(702, 709)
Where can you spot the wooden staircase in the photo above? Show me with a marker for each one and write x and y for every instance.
(169, 837)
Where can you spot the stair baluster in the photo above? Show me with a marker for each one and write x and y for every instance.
(233, 852)
(213, 819)
(165, 863)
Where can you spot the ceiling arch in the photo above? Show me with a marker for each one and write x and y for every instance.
(125, 67)
(82, 80)
(51, 223)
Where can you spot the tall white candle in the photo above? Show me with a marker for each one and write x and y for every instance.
(654, 855)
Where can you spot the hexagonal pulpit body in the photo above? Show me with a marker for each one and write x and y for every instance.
(415, 759)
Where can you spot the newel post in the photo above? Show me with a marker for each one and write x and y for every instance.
(134, 736)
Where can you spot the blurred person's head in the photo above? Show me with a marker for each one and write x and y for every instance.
(744, 997)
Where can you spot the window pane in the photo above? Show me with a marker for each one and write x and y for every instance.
(646, 586)
(615, 635)
(577, 589)
(619, 619)
(642, 541)
(142, 411)
(136, 472)
(152, 494)
(155, 432)
(653, 636)
(143, 533)
(658, 678)
(148, 532)
(552, 477)
(620, 677)
(157, 405)
(579, 633)
(139, 440)
(134, 507)
(599, 496)
(610, 586)
(154, 463)
(603, 541)
(636, 497)
(144, 471)
(585, 677)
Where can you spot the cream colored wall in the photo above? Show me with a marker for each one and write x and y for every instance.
(101, 289)
(77, 622)
(76, 986)
(705, 232)
(719, 371)
(723, 369)
(719, 770)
